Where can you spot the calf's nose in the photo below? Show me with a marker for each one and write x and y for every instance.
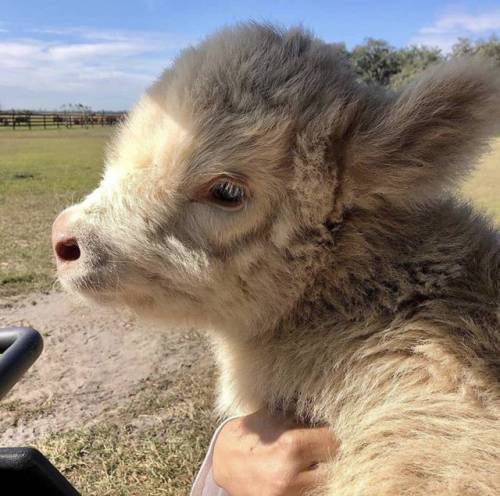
(64, 241)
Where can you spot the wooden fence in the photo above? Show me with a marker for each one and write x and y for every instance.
(46, 120)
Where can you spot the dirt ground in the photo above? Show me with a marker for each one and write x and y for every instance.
(93, 361)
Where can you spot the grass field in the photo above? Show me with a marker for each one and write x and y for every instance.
(483, 186)
(151, 446)
(41, 172)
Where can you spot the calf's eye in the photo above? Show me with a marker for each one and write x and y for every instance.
(228, 194)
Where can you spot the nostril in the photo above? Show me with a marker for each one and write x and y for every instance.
(67, 250)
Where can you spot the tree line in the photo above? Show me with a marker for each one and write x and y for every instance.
(377, 61)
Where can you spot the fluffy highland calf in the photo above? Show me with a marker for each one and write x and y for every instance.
(307, 222)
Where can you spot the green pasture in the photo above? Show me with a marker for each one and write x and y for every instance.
(41, 172)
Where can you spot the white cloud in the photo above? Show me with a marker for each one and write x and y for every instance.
(474, 24)
(103, 69)
(446, 30)
(85, 51)
(14, 50)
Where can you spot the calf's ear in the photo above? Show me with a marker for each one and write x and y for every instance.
(426, 137)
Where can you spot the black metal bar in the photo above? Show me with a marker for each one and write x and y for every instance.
(25, 471)
(19, 348)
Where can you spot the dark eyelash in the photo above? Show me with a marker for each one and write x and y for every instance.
(228, 192)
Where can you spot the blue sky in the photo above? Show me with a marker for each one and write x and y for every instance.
(105, 53)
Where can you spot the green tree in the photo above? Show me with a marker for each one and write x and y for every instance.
(375, 61)
(463, 47)
(412, 61)
(489, 48)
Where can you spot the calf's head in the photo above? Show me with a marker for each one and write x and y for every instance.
(220, 191)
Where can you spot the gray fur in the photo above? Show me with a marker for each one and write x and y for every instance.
(353, 288)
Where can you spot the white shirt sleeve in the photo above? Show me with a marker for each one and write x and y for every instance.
(204, 484)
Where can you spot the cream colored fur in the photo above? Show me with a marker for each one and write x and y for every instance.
(352, 288)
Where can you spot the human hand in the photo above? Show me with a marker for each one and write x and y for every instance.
(271, 456)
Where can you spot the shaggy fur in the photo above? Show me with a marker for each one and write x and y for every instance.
(352, 288)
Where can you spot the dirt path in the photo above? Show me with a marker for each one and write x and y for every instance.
(93, 360)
